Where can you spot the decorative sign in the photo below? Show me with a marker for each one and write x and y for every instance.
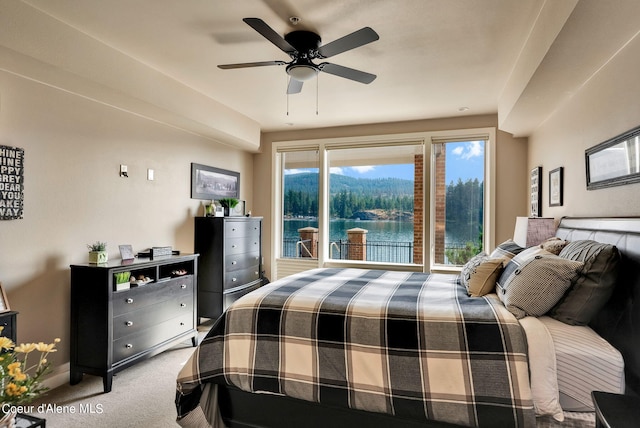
(11, 182)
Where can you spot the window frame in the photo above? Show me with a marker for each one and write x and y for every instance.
(324, 145)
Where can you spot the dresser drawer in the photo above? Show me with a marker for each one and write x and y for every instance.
(130, 345)
(241, 245)
(137, 297)
(241, 261)
(241, 277)
(231, 296)
(238, 229)
(150, 316)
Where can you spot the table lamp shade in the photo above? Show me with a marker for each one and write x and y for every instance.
(532, 231)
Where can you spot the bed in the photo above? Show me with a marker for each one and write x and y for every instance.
(410, 349)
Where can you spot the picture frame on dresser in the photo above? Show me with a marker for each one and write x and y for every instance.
(212, 183)
(4, 303)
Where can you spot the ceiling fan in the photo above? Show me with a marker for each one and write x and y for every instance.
(303, 47)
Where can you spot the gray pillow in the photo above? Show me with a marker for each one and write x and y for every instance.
(593, 286)
(534, 281)
(507, 250)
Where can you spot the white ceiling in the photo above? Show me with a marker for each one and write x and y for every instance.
(433, 58)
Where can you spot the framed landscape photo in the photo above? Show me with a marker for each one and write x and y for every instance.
(212, 183)
(555, 187)
(536, 192)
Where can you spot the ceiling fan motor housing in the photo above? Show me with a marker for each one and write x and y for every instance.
(306, 44)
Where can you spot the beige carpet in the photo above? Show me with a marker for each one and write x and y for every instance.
(142, 395)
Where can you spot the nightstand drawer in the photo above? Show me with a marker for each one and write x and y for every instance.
(150, 316)
(150, 294)
(139, 342)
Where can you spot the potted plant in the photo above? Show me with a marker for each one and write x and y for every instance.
(98, 252)
(122, 280)
(228, 203)
(21, 381)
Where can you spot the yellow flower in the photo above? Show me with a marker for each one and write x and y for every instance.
(15, 371)
(25, 348)
(6, 343)
(44, 347)
(14, 390)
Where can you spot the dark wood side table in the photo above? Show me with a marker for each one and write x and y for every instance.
(8, 321)
(616, 410)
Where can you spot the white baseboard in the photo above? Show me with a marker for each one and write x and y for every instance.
(58, 377)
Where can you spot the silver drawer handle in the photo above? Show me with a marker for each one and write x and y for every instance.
(183, 305)
(256, 272)
(233, 229)
(129, 300)
(183, 286)
(181, 323)
(128, 346)
(234, 246)
(129, 323)
(234, 262)
(234, 279)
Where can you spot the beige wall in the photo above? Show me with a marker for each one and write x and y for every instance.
(74, 196)
(606, 106)
(510, 157)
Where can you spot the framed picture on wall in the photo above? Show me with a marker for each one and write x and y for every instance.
(536, 192)
(555, 187)
(212, 183)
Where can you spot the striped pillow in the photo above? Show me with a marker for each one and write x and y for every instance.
(507, 250)
(534, 281)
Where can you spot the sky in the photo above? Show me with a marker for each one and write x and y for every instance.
(465, 160)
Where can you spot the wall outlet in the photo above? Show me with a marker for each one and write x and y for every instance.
(123, 171)
(150, 174)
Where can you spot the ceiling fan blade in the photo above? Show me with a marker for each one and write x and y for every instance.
(269, 33)
(347, 73)
(250, 64)
(350, 41)
(295, 86)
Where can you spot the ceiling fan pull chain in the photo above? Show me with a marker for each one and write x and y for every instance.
(287, 82)
(317, 84)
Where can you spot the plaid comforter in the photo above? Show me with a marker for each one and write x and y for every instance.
(404, 343)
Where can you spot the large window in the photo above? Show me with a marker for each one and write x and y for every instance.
(459, 200)
(372, 194)
(422, 199)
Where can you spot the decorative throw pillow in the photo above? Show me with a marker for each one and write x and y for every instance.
(554, 245)
(534, 281)
(592, 288)
(470, 266)
(507, 250)
(483, 278)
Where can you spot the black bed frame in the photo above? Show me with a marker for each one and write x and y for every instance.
(618, 322)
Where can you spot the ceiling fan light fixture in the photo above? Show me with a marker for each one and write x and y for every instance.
(302, 72)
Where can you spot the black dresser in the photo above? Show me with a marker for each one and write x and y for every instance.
(230, 250)
(113, 328)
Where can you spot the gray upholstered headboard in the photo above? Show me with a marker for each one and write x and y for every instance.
(619, 321)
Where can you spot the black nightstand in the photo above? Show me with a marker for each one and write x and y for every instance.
(616, 410)
(8, 321)
(28, 421)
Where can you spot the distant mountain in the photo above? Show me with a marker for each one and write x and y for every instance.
(308, 183)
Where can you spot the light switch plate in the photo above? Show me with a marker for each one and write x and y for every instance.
(150, 174)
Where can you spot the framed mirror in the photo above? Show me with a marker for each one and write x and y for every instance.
(614, 162)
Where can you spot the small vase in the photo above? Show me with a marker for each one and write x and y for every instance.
(8, 420)
(97, 257)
